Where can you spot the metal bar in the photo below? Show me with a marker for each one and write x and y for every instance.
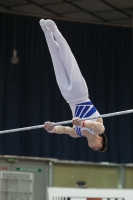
(44, 8)
(68, 19)
(85, 10)
(67, 122)
(117, 9)
(121, 177)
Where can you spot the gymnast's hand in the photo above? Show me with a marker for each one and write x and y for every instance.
(49, 127)
(76, 121)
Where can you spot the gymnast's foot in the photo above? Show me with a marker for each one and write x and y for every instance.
(51, 25)
(43, 25)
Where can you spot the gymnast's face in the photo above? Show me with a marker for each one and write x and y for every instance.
(96, 144)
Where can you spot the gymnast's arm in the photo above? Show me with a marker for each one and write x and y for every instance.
(60, 129)
(66, 130)
(96, 126)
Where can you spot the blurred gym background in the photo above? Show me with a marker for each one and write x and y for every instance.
(100, 35)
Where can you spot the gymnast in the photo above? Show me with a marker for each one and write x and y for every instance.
(74, 90)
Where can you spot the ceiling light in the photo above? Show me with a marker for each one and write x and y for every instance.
(14, 59)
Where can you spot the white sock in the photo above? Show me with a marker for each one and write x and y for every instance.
(51, 25)
(43, 25)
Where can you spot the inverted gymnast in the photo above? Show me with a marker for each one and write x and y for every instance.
(74, 90)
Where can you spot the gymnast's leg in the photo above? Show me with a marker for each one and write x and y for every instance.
(77, 88)
(60, 71)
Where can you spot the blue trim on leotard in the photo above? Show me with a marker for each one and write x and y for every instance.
(83, 110)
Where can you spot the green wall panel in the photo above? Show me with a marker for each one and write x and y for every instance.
(129, 177)
(95, 176)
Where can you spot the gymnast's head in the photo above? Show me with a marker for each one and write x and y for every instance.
(99, 144)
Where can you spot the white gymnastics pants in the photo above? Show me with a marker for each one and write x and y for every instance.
(69, 78)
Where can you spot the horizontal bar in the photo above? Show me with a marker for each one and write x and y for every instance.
(96, 117)
(67, 122)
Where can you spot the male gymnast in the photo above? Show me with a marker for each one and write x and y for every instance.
(74, 90)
